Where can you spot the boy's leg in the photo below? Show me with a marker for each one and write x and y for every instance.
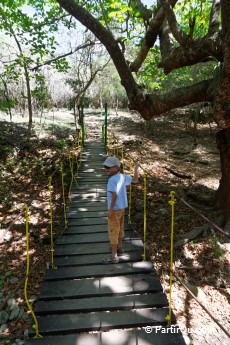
(121, 229)
(116, 233)
(114, 249)
(113, 229)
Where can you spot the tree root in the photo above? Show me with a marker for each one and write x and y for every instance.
(179, 174)
(191, 235)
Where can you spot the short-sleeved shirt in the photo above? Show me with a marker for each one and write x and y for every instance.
(117, 183)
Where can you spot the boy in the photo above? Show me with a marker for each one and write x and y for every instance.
(117, 202)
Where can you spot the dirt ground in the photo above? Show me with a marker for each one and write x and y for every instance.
(175, 158)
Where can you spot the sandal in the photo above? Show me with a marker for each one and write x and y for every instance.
(120, 251)
(110, 260)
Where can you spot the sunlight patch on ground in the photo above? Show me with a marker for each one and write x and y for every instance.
(210, 182)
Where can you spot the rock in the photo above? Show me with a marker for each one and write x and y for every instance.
(14, 312)
(8, 274)
(163, 212)
(196, 291)
(19, 342)
(183, 218)
(26, 333)
(21, 313)
(139, 216)
(25, 316)
(4, 316)
(3, 328)
(32, 298)
(11, 303)
(139, 205)
(14, 280)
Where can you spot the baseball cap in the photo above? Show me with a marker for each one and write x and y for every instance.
(111, 162)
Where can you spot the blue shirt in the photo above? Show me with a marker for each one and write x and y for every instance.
(117, 183)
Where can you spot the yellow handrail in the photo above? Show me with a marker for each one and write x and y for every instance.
(35, 326)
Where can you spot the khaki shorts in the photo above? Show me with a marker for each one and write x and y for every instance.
(116, 226)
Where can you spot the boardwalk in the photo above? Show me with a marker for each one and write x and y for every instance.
(85, 302)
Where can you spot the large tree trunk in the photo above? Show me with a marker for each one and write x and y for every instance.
(223, 195)
(222, 114)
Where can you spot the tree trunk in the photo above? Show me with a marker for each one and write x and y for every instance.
(222, 111)
(29, 102)
(222, 194)
(28, 90)
(74, 112)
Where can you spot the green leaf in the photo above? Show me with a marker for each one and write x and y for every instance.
(2, 281)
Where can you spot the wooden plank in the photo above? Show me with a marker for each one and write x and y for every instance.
(84, 229)
(89, 221)
(79, 238)
(106, 286)
(78, 201)
(92, 169)
(87, 164)
(87, 196)
(87, 179)
(74, 214)
(94, 237)
(110, 270)
(88, 206)
(92, 181)
(120, 337)
(85, 305)
(99, 321)
(90, 248)
(94, 259)
(89, 188)
(93, 177)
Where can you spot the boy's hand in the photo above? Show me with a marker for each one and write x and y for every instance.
(109, 214)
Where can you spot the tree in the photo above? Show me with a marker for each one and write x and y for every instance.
(85, 67)
(188, 33)
(34, 44)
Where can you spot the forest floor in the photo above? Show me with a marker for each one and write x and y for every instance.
(176, 158)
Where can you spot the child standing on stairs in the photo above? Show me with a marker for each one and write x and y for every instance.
(117, 203)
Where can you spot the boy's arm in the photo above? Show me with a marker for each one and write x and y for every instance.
(113, 201)
(136, 174)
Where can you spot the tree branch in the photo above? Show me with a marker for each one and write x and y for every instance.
(200, 50)
(214, 23)
(191, 51)
(54, 20)
(48, 62)
(89, 82)
(107, 39)
(179, 35)
(150, 37)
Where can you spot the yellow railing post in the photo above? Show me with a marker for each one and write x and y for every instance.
(122, 159)
(51, 223)
(130, 195)
(145, 213)
(63, 194)
(172, 203)
(35, 326)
